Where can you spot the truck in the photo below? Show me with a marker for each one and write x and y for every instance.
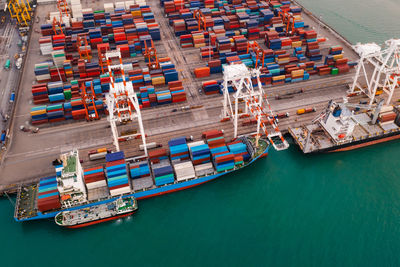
(18, 63)
(305, 110)
(7, 65)
(150, 146)
(99, 153)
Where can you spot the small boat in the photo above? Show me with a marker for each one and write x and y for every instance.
(119, 208)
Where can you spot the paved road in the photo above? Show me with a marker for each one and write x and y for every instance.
(9, 38)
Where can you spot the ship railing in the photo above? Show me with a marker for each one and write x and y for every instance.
(17, 201)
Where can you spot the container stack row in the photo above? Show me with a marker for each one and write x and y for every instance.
(139, 169)
(178, 149)
(94, 178)
(63, 111)
(117, 176)
(199, 152)
(48, 195)
(222, 158)
(163, 172)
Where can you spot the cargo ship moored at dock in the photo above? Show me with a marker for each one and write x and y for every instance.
(179, 178)
(341, 128)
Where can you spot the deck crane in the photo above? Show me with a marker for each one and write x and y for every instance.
(256, 103)
(122, 102)
(260, 53)
(378, 68)
(150, 54)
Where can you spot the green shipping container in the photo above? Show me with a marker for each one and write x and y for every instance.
(67, 94)
(335, 71)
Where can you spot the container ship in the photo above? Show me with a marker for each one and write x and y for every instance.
(122, 207)
(346, 126)
(183, 165)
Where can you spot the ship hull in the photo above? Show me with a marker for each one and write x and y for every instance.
(170, 188)
(100, 221)
(361, 143)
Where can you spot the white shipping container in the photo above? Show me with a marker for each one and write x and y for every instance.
(97, 184)
(96, 156)
(120, 191)
(197, 143)
(43, 77)
(128, 4)
(386, 109)
(120, 5)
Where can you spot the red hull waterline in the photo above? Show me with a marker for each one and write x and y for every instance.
(370, 143)
(100, 221)
(186, 187)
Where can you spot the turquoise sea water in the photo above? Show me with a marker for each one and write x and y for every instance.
(287, 210)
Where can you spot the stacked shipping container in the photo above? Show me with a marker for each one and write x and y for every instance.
(117, 176)
(48, 195)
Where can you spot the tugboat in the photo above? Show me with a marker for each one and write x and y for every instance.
(119, 208)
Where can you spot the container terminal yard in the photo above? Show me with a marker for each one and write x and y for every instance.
(27, 155)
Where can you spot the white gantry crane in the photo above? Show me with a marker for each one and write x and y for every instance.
(122, 102)
(378, 69)
(256, 103)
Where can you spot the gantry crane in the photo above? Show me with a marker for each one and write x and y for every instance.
(260, 53)
(20, 9)
(101, 50)
(150, 53)
(63, 10)
(256, 103)
(288, 19)
(377, 69)
(89, 101)
(122, 102)
(81, 41)
(201, 20)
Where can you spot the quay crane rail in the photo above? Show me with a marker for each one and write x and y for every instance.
(386, 69)
(256, 103)
(122, 102)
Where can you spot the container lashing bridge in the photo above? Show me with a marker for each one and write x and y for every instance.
(256, 103)
(122, 102)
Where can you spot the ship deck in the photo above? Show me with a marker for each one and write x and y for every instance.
(26, 201)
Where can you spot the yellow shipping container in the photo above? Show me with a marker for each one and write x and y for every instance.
(296, 44)
(136, 13)
(38, 112)
(158, 80)
(199, 45)
(280, 77)
(301, 111)
(336, 57)
(297, 73)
